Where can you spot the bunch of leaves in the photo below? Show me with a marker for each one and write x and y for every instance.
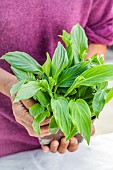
(67, 87)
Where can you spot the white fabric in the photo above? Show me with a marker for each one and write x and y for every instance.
(97, 156)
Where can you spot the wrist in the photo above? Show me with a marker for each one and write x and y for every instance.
(6, 82)
(12, 80)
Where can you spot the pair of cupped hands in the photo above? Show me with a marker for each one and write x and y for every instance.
(22, 116)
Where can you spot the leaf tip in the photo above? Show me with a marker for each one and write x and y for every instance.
(16, 100)
(60, 36)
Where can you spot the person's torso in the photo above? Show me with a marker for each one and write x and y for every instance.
(33, 26)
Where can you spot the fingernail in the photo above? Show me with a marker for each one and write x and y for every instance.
(45, 151)
(55, 144)
(74, 142)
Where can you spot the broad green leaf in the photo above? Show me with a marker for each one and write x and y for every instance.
(16, 87)
(66, 37)
(79, 43)
(36, 110)
(109, 95)
(97, 74)
(27, 91)
(61, 114)
(38, 120)
(22, 75)
(53, 126)
(81, 117)
(72, 133)
(46, 67)
(22, 61)
(42, 97)
(67, 77)
(93, 76)
(59, 61)
(99, 101)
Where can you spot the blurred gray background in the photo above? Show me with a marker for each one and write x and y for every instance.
(110, 55)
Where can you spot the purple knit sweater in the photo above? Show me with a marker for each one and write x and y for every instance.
(32, 26)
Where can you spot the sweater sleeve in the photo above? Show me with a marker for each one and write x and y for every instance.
(99, 27)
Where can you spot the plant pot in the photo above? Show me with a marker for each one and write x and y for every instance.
(46, 140)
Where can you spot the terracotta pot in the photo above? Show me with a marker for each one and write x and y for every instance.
(46, 140)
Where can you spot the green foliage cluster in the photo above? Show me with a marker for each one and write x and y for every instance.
(67, 87)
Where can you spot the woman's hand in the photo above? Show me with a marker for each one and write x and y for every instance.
(22, 116)
(63, 146)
